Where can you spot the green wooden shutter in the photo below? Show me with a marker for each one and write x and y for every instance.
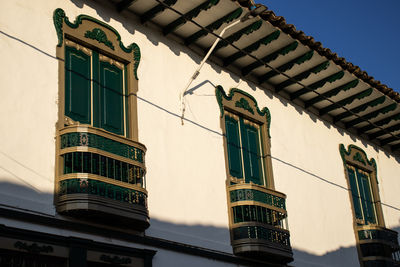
(233, 143)
(111, 107)
(366, 198)
(251, 153)
(354, 193)
(77, 85)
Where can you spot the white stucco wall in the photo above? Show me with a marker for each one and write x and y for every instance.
(185, 163)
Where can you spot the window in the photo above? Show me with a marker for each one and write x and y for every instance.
(376, 245)
(257, 213)
(100, 165)
(246, 129)
(244, 149)
(363, 201)
(95, 92)
(363, 185)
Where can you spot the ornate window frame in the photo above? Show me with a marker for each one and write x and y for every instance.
(376, 245)
(88, 32)
(356, 157)
(109, 173)
(242, 104)
(257, 213)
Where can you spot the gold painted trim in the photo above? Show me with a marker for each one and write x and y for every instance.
(85, 50)
(112, 62)
(102, 153)
(256, 187)
(98, 131)
(101, 179)
(256, 203)
(76, 37)
(271, 227)
(349, 161)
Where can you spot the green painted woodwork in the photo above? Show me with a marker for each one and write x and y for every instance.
(345, 101)
(189, 15)
(233, 147)
(379, 235)
(253, 47)
(214, 26)
(359, 108)
(254, 213)
(59, 17)
(244, 104)
(271, 57)
(366, 198)
(85, 162)
(287, 66)
(258, 196)
(381, 122)
(332, 78)
(111, 98)
(334, 92)
(77, 85)
(96, 89)
(371, 115)
(302, 76)
(392, 128)
(275, 236)
(361, 196)
(102, 143)
(148, 15)
(355, 194)
(100, 36)
(358, 157)
(344, 153)
(251, 153)
(220, 94)
(127, 116)
(237, 35)
(102, 189)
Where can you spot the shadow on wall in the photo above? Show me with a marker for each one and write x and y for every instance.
(204, 237)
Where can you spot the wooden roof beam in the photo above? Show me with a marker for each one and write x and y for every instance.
(301, 76)
(280, 52)
(381, 122)
(345, 101)
(360, 108)
(253, 47)
(392, 128)
(331, 93)
(285, 67)
(237, 35)
(331, 78)
(371, 115)
(214, 26)
(188, 16)
(124, 4)
(389, 140)
(148, 15)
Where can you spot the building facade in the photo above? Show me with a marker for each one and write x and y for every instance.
(277, 153)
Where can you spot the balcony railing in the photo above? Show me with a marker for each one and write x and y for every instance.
(378, 244)
(259, 223)
(101, 176)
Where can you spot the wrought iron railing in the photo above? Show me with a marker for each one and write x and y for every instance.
(101, 173)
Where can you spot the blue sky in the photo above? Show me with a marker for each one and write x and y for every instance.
(364, 32)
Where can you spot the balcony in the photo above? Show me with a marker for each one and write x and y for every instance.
(259, 223)
(379, 246)
(101, 177)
